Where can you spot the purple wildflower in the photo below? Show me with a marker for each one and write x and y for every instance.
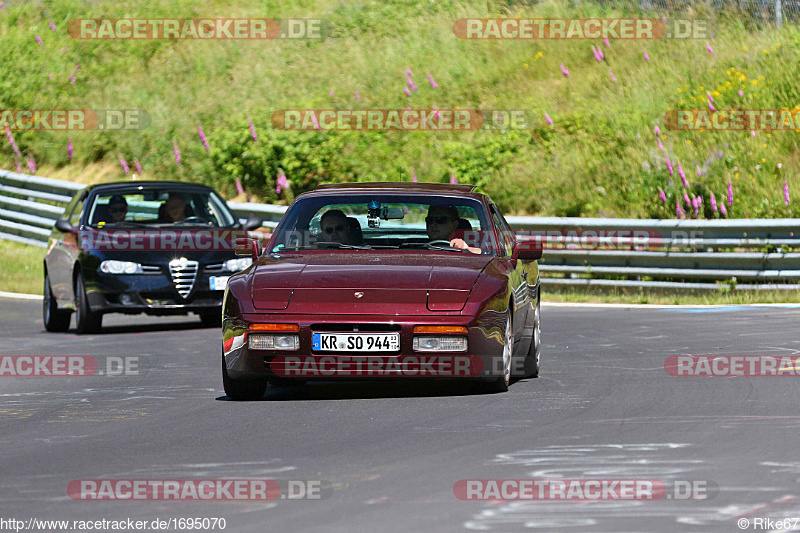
(713, 202)
(657, 130)
(19, 169)
(176, 152)
(408, 72)
(699, 172)
(202, 136)
(124, 165)
(433, 83)
(12, 143)
(647, 57)
(548, 119)
(239, 187)
(453, 178)
(39, 40)
(660, 146)
(69, 149)
(741, 93)
(679, 210)
(72, 80)
(414, 176)
(315, 121)
(138, 166)
(683, 176)
(50, 75)
(710, 98)
(662, 195)
(606, 41)
(612, 75)
(405, 90)
(564, 71)
(708, 47)
(669, 166)
(722, 208)
(786, 192)
(32, 164)
(52, 26)
(752, 133)
(253, 129)
(686, 199)
(711, 106)
(283, 183)
(358, 96)
(331, 92)
(730, 193)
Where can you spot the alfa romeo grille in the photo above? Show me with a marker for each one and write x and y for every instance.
(184, 274)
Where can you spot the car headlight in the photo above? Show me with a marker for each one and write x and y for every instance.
(120, 267)
(273, 342)
(440, 344)
(238, 264)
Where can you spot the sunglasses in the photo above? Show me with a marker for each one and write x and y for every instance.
(118, 209)
(439, 219)
(336, 228)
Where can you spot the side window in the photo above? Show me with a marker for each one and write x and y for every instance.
(506, 241)
(75, 216)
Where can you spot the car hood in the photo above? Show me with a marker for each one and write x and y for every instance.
(359, 282)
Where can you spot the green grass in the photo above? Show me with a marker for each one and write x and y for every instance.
(21, 269)
(599, 158)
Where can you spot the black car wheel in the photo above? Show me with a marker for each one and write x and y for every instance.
(211, 319)
(54, 318)
(86, 321)
(242, 390)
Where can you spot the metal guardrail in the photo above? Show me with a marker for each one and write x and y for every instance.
(579, 252)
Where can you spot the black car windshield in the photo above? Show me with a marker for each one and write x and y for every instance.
(386, 221)
(158, 207)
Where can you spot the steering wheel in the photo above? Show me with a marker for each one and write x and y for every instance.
(440, 243)
(192, 219)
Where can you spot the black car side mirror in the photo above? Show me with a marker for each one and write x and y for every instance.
(63, 225)
(253, 222)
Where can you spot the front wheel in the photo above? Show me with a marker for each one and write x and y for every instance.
(211, 319)
(86, 321)
(531, 369)
(54, 318)
(242, 390)
(502, 382)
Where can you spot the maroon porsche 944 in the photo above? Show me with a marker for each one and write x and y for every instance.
(384, 280)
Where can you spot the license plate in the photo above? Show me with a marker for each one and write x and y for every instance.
(218, 283)
(355, 342)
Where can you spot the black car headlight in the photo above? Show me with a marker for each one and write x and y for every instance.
(120, 267)
(238, 264)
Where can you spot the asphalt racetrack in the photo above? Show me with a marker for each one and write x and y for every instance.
(389, 454)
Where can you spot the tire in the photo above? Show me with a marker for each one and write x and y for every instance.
(502, 382)
(242, 390)
(86, 321)
(211, 319)
(54, 319)
(531, 368)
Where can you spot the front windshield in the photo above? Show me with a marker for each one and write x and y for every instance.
(159, 207)
(386, 221)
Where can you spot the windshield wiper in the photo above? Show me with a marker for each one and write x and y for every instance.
(429, 246)
(325, 245)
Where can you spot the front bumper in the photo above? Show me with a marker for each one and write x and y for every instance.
(481, 361)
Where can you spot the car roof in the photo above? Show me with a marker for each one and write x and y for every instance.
(145, 184)
(397, 186)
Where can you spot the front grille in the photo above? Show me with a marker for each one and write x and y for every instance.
(184, 274)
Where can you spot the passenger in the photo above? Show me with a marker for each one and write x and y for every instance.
(335, 227)
(441, 222)
(117, 208)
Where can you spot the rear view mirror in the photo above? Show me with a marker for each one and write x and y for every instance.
(63, 225)
(528, 250)
(253, 222)
(246, 247)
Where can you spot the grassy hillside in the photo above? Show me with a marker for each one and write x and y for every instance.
(600, 156)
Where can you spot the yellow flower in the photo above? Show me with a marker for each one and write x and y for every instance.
(525, 65)
(744, 48)
(755, 82)
(762, 159)
(679, 89)
(778, 45)
(702, 88)
(766, 51)
(688, 142)
(768, 136)
(716, 93)
(742, 77)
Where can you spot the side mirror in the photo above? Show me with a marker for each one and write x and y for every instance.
(253, 222)
(63, 225)
(246, 247)
(529, 250)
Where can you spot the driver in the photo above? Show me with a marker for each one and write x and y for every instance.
(335, 227)
(175, 208)
(441, 223)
